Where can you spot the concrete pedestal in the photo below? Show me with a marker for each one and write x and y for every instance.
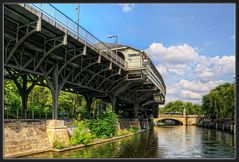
(134, 123)
(57, 131)
(145, 124)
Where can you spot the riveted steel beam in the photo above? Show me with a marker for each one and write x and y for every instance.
(19, 42)
(63, 43)
(86, 67)
(115, 83)
(107, 78)
(72, 59)
(122, 88)
(106, 69)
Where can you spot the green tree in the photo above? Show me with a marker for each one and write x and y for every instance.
(12, 99)
(220, 102)
(72, 103)
(179, 106)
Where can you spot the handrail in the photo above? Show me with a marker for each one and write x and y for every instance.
(163, 115)
(63, 19)
(150, 65)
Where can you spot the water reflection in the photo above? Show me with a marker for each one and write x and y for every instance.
(162, 142)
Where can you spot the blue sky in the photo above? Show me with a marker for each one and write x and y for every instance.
(192, 45)
(206, 26)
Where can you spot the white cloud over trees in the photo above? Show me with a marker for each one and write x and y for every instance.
(187, 74)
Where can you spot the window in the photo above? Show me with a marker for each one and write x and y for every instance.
(134, 54)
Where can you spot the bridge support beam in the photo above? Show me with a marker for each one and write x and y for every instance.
(55, 93)
(24, 94)
(89, 101)
(54, 88)
(113, 101)
(136, 109)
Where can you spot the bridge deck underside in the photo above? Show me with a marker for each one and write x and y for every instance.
(54, 58)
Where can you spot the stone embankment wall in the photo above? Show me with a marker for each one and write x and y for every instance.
(221, 126)
(133, 123)
(22, 137)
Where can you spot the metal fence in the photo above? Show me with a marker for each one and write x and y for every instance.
(32, 114)
(81, 33)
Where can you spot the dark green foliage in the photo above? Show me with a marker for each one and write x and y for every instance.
(87, 130)
(134, 130)
(40, 102)
(58, 145)
(81, 134)
(104, 126)
(73, 104)
(220, 102)
(12, 99)
(178, 106)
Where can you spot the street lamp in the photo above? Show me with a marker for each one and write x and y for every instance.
(116, 41)
(184, 111)
(78, 18)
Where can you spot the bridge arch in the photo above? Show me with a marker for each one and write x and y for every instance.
(171, 121)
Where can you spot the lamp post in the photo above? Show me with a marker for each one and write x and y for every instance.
(116, 41)
(78, 18)
(184, 111)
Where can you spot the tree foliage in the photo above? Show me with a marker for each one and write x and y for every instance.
(40, 101)
(179, 106)
(220, 102)
(12, 99)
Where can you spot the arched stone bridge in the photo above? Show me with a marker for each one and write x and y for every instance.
(184, 119)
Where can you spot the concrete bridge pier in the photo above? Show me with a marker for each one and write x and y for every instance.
(57, 132)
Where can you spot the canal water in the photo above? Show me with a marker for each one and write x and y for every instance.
(167, 142)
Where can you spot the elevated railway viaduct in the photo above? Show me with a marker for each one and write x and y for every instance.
(45, 47)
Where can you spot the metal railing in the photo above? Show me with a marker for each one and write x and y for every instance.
(152, 69)
(177, 115)
(32, 114)
(82, 35)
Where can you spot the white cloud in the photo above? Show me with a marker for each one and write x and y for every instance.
(126, 7)
(187, 74)
(162, 69)
(190, 90)
(174, 54)
(191, 95)
(184, 58)
(198, 86)
(178, 69)
(209, 68)
(171, 90)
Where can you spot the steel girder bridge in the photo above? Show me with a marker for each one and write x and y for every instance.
(45, 47)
